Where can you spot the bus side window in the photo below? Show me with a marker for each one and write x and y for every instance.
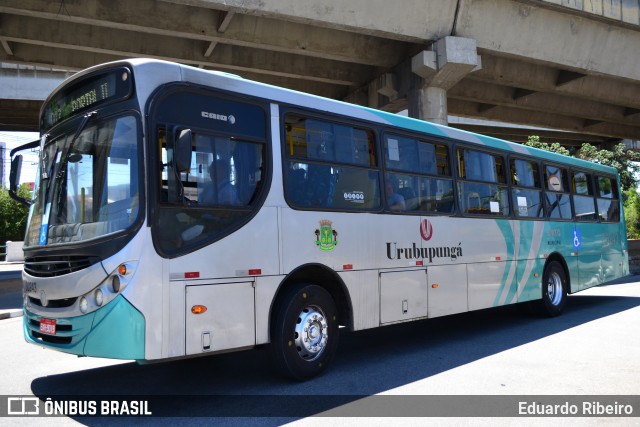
(421, 179)
(321, 180)
(526, 193)
(557, 201)
(608, 202)
(481, 190)
(583, 201)
(331, 165)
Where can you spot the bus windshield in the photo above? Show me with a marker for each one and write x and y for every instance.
(88, 183)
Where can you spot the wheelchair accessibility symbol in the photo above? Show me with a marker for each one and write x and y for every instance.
(577, 239)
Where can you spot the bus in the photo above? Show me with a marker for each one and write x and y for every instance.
(181, 212)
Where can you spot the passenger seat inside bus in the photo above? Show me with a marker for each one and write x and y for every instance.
(410, 199)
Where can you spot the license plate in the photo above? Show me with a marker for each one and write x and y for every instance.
(48, 326)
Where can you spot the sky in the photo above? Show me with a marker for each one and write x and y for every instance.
(15, 139)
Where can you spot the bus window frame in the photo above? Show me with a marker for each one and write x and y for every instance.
(286, 158)
(118, 240)
(541, 189)
(566, 182)
(154, 105)
(420, 138)
(596, 192)
(574, 193)
(458, 179)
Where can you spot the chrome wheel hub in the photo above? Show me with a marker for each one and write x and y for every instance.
(554, 289)
(311, 333)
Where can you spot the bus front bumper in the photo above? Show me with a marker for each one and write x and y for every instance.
(115, 331)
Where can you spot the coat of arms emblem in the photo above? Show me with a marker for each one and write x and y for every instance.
(326, 236)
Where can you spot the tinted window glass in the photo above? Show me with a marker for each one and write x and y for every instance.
(418, 189)
(412, 155)
(526, 196)
(607, 188)
(557, 198)
(419, 193)
(223, 171)
(583, 202)
(556, 179)
(608, 203)
(525, 173)
(326, 141)
(331, 165)
(558, 206)
(483, 199)
(584, 207)
(313, 185)
(527, 203)
(582, 183)
(479, 166)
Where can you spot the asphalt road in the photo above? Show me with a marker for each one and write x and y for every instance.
(10, 294)
(593, 349)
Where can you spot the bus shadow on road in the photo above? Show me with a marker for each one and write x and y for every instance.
(368, 362)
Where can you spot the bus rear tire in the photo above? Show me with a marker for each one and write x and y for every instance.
(554, 290)
(304, 332)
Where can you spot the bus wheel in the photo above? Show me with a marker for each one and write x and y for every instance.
(554, 290)
(304, 334)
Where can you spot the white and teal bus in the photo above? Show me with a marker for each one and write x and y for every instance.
(181, 212)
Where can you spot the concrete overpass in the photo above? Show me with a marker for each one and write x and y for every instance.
(566, 64)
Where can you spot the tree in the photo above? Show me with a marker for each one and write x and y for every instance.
(13, 215)
(534, 141)
(618, 157)
(632, 213)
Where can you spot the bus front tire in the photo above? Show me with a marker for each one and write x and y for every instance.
(304, 333)
(554, 290)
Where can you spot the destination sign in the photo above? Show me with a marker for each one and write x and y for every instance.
(88, 93)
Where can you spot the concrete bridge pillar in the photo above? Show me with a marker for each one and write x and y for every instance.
(436, 71)
(428, 103)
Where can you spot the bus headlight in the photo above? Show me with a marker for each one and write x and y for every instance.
(109, 289)
(122, 275)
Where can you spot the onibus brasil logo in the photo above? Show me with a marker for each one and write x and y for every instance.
(326, 236)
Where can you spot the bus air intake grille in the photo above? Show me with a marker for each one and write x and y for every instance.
(52, 339)
(49, 266)
(54, 303)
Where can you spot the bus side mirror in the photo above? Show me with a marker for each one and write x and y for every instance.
(14, 175)
(182, 151)
(16, 169)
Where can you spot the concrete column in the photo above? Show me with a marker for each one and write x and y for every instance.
(438, 70)
(429, 104)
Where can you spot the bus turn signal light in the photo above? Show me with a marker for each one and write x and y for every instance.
(198, 309)
(122, 269)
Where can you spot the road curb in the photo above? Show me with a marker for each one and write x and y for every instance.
(10, 313)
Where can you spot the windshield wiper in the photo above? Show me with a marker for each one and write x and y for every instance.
(81, 126)
(61, 167)
(83, 123)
